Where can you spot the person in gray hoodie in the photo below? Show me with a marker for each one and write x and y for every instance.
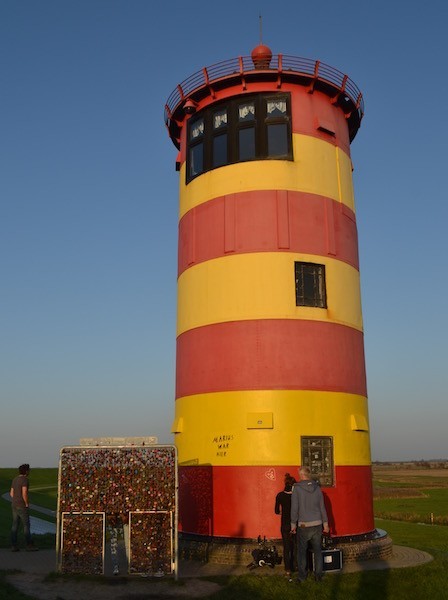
(308, 518)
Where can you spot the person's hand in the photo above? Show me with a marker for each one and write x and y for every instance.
(326, 529)
(293, 530)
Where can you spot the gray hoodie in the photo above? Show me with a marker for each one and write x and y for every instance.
(307, 505)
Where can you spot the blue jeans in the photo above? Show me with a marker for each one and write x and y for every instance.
(20, 513)
(313, 535)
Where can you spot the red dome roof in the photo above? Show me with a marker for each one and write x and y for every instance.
(261, 55)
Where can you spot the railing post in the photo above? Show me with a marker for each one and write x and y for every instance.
(279, 68)
(315, 76)
(207, 82)
(168, 114)
(243, 79)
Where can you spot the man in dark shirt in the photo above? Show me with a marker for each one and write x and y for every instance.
(20, 507)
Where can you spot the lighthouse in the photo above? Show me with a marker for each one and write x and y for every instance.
(270, 369)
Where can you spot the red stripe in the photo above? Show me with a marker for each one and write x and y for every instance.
(269, 355)
(239, 501)
(312, 114)
(267, 221)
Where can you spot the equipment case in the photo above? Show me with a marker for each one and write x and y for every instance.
(332, 560)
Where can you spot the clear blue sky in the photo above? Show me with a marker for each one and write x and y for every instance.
(89, 200)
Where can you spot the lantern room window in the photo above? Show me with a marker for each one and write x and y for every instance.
(196, 147)
(238, 130)
(219, 133)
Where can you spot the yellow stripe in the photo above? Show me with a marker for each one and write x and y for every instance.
(318, 168)
(216, 428)
(262, 286)
(345, 179)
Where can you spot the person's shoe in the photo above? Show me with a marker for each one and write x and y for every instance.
(15, 549)
(31, 548)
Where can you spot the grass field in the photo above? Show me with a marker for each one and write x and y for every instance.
(416, 495)
(404, 494)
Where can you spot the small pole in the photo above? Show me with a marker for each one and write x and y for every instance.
(432, 518)
(261, 29)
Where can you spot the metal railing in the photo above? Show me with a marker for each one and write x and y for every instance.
(244, 65)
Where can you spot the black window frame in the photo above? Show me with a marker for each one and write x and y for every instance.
(317, 271)
(194, 143)
(260, 124)
(317, 453)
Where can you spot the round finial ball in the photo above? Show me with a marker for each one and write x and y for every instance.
(261, 56)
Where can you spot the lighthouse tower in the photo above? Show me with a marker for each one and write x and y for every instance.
(270, 370)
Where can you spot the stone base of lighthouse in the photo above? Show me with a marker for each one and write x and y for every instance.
(375, 545)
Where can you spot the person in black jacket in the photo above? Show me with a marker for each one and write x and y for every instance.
(283, 508)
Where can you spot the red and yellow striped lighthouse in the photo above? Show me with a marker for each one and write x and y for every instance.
(270, 368)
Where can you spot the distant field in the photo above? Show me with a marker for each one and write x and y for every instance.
(416, 495)
(407, 474)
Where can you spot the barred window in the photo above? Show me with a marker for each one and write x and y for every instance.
(317, 454)
(310, 285)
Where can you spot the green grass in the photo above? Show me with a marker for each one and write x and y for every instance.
(44, 488)
(396, 484)
(430, 538)
(411, 496)
(416, 509)
(420, 482)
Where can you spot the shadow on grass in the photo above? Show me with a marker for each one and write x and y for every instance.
(7, 591)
